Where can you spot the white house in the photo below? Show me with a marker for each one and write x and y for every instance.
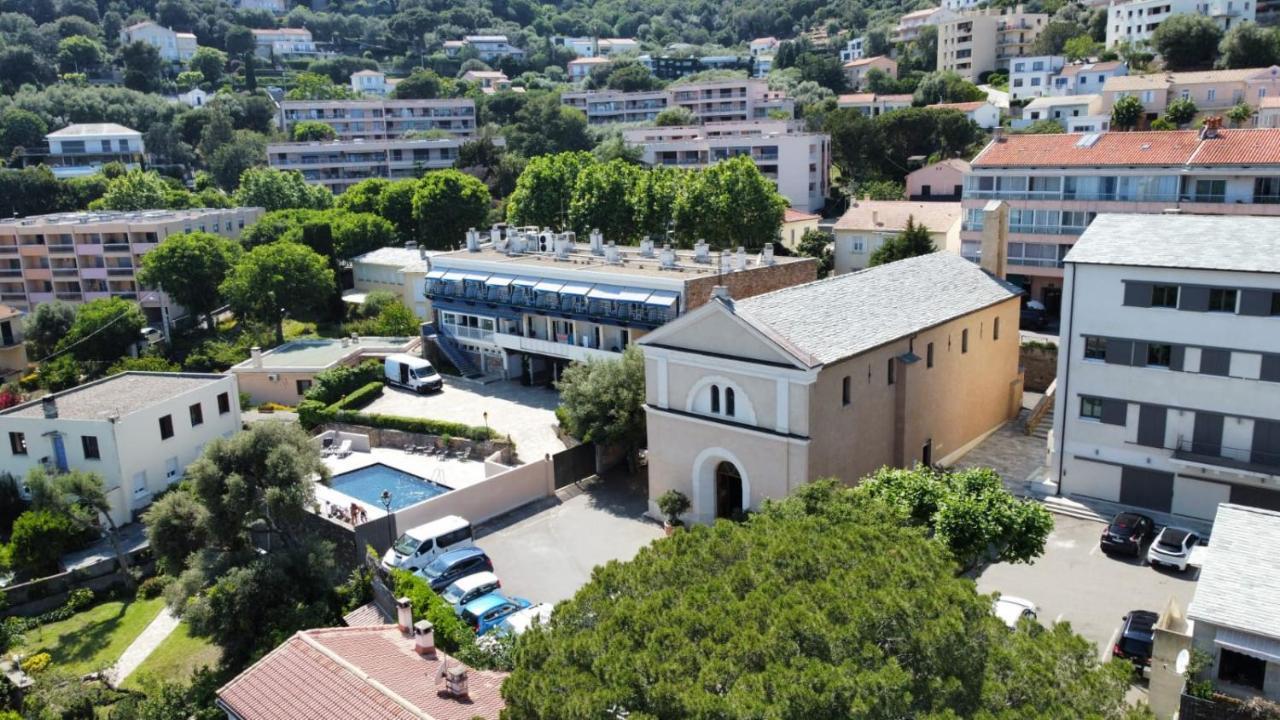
(1062, 108)
(985, 114)
(83, 149)
(1086, 78)
(1136, 20)
(868, 223)
(370, 82)
(195, 97)
(402, 271)
(1168, 389)
(279, 7)
(487, 47)
(173, 46)
(764, 46)
(852, 50)
(284, 42)
(580, 68)
(138, 430)
(1030, 77)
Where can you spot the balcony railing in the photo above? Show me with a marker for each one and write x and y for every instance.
(8, 249)
(1044, 229)
(564, 306)
(1218, 455)
(469, 333)
(65, 272)
(62, 248)
(118, 271)
(1035, 262)
(116, 247)
(1218, 708)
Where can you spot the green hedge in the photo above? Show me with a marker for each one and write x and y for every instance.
(313, 412)
(334, 384)
(361, 397)
(451, 633)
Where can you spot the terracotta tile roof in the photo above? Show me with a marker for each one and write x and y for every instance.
(788, 216)
(365, 615)
(1156, 81)
(1254, 146)
(893, 214)
(961, 106)
(361, 673)
(1075, 69)
(868, 61)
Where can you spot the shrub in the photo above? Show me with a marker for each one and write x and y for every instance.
(36, 663)
(154, 587)
(425, 426)
(673, 504)
(313, 412)
(40, 538)
(361, 397)
(332, 385)
(452, 634)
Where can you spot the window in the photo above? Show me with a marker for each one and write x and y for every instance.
(1095, 348)
(846, 394)
(1091, 408)
(715, 398)
(224, 403)
(891, 371)
(171, 468)
(89, 444)
(166, 427)
(1275, 303)
(197, 414)
(1165, 296)
(1240, 669)
(1158, 354)
(18, 443)
(1222, 300)
(302, 386)
(995, 330)
(928, 355)
(728, 402)
(1212, 95)
(964, 341)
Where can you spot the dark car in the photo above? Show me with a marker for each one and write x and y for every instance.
(1127, 533)
(1032, 318)
(1134, 643)
(444, 570)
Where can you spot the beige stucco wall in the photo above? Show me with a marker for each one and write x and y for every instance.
(282, 390)
(489, 498)
(792, 231)
(941, 178)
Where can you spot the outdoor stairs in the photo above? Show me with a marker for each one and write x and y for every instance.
(1039, 419)
(446, 346)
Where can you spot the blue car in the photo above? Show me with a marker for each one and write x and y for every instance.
(487, 612)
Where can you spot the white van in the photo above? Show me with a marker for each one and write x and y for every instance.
(419, 546)
(411, 372)
(517, 622)
(465, 589)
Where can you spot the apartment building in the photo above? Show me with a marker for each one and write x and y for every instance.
(83, 148)
(748, 399)
(175, 47)
(402, 271)
(1269, 112)
(383, 119)
(1136, 20)
(13, 352)
(83, 256)
(855, 71)
(526, 303)
(596, 47)
(284, 373)
(1169, 373)
(1213, 91)
(580, 68)
(981, 41)
(486, 47)
(871, 104)
(852, 49)
(339, 164)
(867, 224)
(1031, 77)
(137, 430)
(1053, 186)
(797, 162)
(284, 43)
(1085, 78)
(714, 101)
(909, 25)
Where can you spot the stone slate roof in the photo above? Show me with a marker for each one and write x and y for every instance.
(1240, 583)
(845, 315)
(1202, 242)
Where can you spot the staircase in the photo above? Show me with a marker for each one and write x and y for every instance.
(1034, 425)
(447, 347)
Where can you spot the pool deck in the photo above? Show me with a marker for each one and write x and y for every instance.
(450, 473)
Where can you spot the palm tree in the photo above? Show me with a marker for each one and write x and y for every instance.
(82, 497)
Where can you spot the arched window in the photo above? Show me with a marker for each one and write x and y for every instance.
(715, 399)
(728, 402)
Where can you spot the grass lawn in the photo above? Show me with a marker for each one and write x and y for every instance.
(175, 659)
(92, 639)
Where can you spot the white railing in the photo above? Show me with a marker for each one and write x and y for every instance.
(551, 348)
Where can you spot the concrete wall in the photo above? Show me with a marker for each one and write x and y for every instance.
(484, 500)
(1040, 366)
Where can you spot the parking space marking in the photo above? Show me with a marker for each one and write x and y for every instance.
(1106, 649)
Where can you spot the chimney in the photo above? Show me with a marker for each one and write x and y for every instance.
(646, 247)
(875, 218)
(597, 242)
(768, 254)
(1211, 127)
(701, 252)
(255, 354)
(668, 259)
(740, 259)
(563, 243)
(422, 253)
(50, 407)
(995, 238)
(345, 341)
(720, 292)
(495, 235)
(473, 240)
(424, 638)
(404, 615)
(997, 134)
(455, 681)
(611, 253)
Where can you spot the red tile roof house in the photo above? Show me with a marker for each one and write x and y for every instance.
(361, 673)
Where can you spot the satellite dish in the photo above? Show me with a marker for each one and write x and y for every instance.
(1182, 661)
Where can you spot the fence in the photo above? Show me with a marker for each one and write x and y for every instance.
(573, 464)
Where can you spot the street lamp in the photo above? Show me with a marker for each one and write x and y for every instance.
(385, 497)
(486, 423)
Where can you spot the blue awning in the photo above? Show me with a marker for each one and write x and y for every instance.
(662, 298)
(604, 292)
(579, 289)
(634, 295)
(499, 280)
(548, 286)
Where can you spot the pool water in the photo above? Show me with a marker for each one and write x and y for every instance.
(367, 484)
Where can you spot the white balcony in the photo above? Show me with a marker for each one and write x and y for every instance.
(550, 348)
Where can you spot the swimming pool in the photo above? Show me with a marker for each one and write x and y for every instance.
(367, 484)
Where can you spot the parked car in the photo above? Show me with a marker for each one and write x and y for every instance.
(449, 567)
(517, 622)
(465, 589)
(1172, 548)
(1011, 609)
(1134, 642)
(1127, 533)
(418, 546)
(485, 612)
(1033, 317)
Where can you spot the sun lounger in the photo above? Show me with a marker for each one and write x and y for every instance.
(344, 449)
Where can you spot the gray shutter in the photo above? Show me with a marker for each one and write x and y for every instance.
(1139, 354)
(1137, 294)
(1119, 352)
(1271, 368)
(1194, 298)
(1266, 443)
(1114, 412)
(1255, 302)
(1215, 362)
(1151, 425)
(1177, 356)
(1146, 488)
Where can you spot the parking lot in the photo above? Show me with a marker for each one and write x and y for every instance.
(527, 414)
(1075, 582)
(546, 551)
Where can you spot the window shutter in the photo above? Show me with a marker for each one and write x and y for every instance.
(1215, 362)
(1271, 368)
(1139, 354)
(1255, 302)
(1137, 294)
(1177, 356)
(1114, 412)
(1194, 298)
(1119, 352)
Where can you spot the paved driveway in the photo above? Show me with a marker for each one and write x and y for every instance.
(527, 414)
(546, 551)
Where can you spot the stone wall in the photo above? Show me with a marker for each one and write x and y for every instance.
(44, 594)
(388, 438)
(1040, 363)
(753, 281)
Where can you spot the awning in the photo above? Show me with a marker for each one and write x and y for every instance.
(524, 282)
(435, 275)
(634, 295)
(475, 276)
(575, 289)
(1249, 644)
(499, 280)
(550, 286)
(454, 276)
(604, 292)
(662, 298)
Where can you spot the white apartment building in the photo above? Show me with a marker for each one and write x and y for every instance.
(981, 41)
(83, 256)
(714, 101)
(797, 162)
(1169, 369)
(487, 47)
(402, 271)
(1031, 77)
(1136, 20)
(284, 43)
(370, 82)
(1062, 108)
(1086, 78)
(173, 46)
(139, 431)
(872, 105)
(383, 119)
(983, 113)
(596, 47)
(1054, 186)
(279, 7)
(83, 149)
(853, 49)
(909, 25)
(339, 164)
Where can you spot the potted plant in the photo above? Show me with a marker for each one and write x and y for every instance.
(673, 504)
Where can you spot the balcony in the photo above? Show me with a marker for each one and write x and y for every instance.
(1042, 229)
(116, 247)
(66, 272)
(62, 249)
(69, 296)
(550, 348)
(468, 333)
(8, 249)
(11, 272)
(620, 311)
(1220, 707)
(1219, 457)
(120, 271)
